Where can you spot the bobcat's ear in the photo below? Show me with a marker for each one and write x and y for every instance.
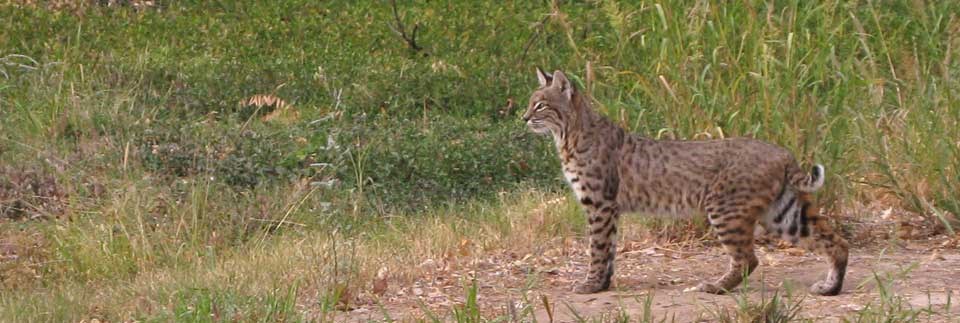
(543, 77)
(561, 82)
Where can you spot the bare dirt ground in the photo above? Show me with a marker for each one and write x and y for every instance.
(922, 275)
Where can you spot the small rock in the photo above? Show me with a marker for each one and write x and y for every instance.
(936, 256)
(885, 214)
(429, 263)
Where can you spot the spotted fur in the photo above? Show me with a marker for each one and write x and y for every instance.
(738, 183)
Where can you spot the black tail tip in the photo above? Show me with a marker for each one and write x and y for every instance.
(815, 173)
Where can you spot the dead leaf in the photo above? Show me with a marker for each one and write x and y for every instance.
(464, 248)
(285, 115)
(952, 242)
(905, 230)
(380, 282)
(783, 245)
(936, 256)
(770, 260)
(346, 298)
(795, 251)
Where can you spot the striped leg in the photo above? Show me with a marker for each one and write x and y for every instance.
(735, 232)
(794, 218)
(818, 236)
(603, 231)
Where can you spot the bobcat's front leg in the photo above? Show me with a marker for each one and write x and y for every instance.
(602, 218)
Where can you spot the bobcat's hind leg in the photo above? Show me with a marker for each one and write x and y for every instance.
(820, 238)
(735, 232)
(796, 220)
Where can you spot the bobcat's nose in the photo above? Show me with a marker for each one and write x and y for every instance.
(526, 117)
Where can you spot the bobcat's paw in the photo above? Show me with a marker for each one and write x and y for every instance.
(826, 288)
(590, 287)
(707, 288)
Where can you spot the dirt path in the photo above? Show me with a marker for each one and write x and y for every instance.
(921, 275)
(912, 274)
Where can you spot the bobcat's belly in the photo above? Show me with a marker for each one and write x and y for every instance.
(675, 206)
(669, 213)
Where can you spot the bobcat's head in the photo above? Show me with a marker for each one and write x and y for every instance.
(552, 105)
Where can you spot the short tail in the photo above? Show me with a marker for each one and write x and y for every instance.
(805, 182)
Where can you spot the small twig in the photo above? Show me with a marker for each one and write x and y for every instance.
(294, 207)
(401, 30)
(338, 94)
(868, 183)
(24, 57)
(536, 33)
(675, 251)
(278, 222)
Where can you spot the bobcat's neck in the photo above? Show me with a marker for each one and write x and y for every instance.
(587, 135)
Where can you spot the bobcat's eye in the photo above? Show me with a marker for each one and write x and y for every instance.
(539, 106)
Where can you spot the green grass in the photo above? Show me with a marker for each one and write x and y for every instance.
(778, 306)
(891, 307)
(172, 185)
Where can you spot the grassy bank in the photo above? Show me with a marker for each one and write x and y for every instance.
(135, 165)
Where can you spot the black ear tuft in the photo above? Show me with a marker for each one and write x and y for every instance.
(543, 77)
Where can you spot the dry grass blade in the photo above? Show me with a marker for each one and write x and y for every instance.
(264, 100)
(546, 306)
(281, 110)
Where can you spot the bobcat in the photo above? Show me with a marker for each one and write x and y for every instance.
(735, 182)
